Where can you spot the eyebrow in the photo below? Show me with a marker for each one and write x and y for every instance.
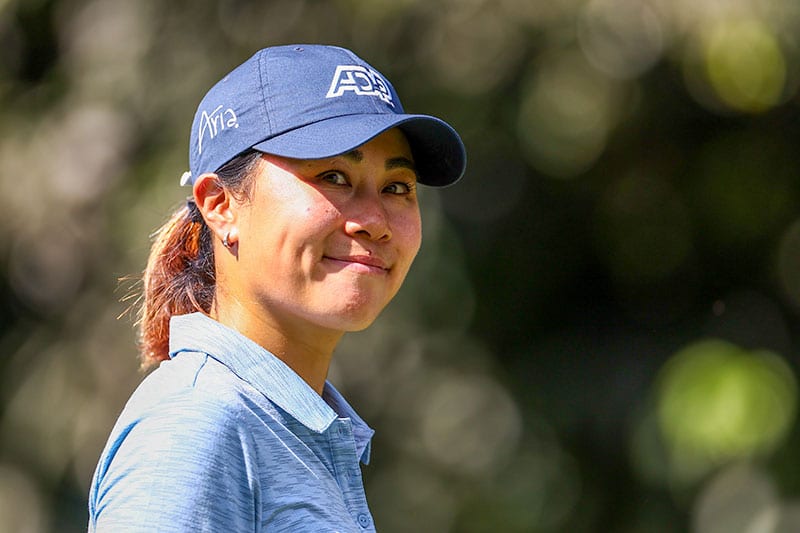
(355, 155)
(392, 163)
(400, 162)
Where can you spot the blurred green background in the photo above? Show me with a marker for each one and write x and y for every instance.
(601, 332)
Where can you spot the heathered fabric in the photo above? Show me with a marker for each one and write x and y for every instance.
(225, 437)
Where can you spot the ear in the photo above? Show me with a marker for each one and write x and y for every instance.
(218, 207)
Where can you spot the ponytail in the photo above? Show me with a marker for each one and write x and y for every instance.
(180, 277)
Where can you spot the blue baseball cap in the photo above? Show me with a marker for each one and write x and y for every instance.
(313, 102)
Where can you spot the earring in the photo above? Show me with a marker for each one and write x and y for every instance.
(225, 242)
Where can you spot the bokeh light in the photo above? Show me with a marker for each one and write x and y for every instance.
(623, 38)
(740, 498)
(567, 110)
(538, 492)
(740, 64)
(743, 498)
(717, 402)
(105, 44)
(22, 506)
(470, 424)
(745, 65)
(405, 490)
(473, 49)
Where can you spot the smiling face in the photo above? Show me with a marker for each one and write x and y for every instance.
(326, 243)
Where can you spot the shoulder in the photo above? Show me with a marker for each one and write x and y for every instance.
(193, 387)
(190, 411)
(192, 399)
(184, 436)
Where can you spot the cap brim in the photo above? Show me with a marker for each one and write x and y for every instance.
(439, 153)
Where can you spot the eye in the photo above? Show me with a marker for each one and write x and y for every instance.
(334, 177)
(399, 187)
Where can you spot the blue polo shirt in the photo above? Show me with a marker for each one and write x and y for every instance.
(225, 437)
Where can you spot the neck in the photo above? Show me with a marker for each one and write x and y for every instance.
(305, 349)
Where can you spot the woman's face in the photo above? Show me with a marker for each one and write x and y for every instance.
(328, 242)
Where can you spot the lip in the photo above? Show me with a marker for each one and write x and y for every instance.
(363, 263)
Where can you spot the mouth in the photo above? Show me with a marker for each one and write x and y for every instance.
(366, 264)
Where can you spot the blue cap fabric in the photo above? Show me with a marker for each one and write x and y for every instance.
(313, 102)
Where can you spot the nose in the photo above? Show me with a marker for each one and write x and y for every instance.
(367, 218)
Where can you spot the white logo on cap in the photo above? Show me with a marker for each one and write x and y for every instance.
(360, 80)
(213, 123)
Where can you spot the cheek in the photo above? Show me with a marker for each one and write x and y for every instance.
(294, 218)
(408, 235)
(321, 213)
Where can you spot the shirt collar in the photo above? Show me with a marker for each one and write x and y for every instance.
(362, 433)
(197, 332)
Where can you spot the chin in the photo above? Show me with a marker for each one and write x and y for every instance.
(350, 322)
(355, 315)
(345, 324)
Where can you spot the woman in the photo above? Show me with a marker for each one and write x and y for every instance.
(302, 225)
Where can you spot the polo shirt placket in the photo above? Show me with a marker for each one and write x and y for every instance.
(347, 471)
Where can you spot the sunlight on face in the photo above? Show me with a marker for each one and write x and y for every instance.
(327, 243)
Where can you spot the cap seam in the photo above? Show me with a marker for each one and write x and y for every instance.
(262, 74)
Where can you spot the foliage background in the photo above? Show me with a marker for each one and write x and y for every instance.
(601, 333)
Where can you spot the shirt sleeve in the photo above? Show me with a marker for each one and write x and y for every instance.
(188, 466)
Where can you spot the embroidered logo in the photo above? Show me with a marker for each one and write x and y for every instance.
(361, 80)
(213, 123)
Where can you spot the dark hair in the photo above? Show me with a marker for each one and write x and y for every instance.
(180, 276)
